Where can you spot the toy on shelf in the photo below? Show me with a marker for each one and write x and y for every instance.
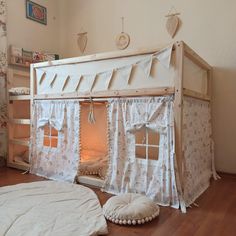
(22, 57)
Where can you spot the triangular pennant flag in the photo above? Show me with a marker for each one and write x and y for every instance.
(126, 72)
(66, 82)
(43, 75)
(109, 76)
(53, 80)
(146, 65)
(164, 56)
(78, 83)
(93, 82)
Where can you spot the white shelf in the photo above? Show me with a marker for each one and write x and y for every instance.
(20, 141)
(20, 121)
(19, 97)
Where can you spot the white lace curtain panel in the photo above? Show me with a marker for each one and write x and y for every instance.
(158, 178)
(61, 162)
(126, 173)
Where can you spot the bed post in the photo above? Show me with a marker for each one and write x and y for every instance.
(178, 114)
(32, 88)
(32, 94)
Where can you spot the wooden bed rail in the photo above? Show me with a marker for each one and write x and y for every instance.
(102, 56)
(162, 91)
(193, 94)
(193, 56)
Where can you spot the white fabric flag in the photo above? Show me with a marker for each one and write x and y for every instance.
(78, 83)
(53, 80)
(126, 72)
(164, 56)
(42, 78)
(146, 65)
(40, 74)
(66, 82)
(90, 80)
(109, 76)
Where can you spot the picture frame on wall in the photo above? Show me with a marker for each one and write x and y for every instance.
(36, 12)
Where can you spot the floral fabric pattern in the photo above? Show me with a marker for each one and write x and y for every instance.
(197, 148)
(3, 70)
(126, 173)
(60, 162)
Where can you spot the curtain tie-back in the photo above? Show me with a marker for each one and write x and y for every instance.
(52, 122)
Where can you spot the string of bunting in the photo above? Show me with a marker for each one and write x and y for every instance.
(163, 56)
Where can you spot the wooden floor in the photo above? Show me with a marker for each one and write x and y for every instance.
(216, 214)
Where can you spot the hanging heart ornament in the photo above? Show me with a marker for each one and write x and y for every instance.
(172, 25)
(82, 41)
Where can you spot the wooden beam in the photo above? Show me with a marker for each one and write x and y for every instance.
(209, 83)
(100, 56)
(192, 55)
(109, 94)
(178, 108)
(193, 94)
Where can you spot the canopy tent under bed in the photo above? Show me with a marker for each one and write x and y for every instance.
(141, 121)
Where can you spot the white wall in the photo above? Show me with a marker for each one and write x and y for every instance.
(207, 26)
(29, 34)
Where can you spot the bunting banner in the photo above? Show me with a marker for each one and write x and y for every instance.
(146, 63)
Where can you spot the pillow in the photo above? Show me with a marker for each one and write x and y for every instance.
(93, 163)
(19, 91)
(94, 167)
(130, 208)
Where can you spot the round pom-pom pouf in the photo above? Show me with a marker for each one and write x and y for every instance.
(130, 209)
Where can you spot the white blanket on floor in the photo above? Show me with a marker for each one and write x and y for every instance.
(49, 208)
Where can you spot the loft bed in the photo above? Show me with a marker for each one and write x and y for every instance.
(145, 115)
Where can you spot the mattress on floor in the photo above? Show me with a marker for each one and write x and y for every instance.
(48, 208)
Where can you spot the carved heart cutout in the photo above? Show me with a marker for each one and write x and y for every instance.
(172, 25)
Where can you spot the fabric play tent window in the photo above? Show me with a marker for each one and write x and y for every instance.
(147, 144)
(50, 136)
(56, 124)
(126, 173)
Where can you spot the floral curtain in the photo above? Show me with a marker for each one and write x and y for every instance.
(197, 148)
(127, 173)
(3, 70)
(55, 157)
